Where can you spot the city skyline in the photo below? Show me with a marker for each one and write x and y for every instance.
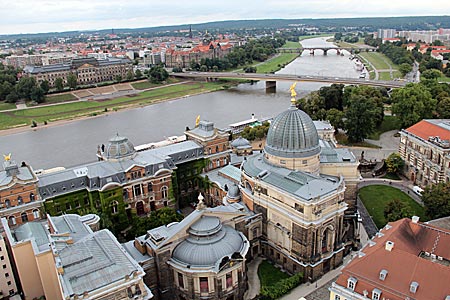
(59, 16)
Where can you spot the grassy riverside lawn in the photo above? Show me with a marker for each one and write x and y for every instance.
(276, 63)
(66, 111)
(145, 84)
(59, 98)
(6, 105)
(376, 197)
(269, 275)
(290, 44)
(378, 60)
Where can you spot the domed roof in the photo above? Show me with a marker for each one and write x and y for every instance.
(208, 243)
(240, 142)
(233, 192)
(119, 147)
(292, 134)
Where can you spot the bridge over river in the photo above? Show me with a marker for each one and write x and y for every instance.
(271, 79)
(325, 50)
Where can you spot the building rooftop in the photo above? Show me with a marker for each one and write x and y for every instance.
(431, 128)
(305, 186)
(408, 252)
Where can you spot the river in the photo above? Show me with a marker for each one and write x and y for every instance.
(76, 142)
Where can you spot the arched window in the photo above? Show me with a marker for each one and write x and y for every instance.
(218, 163)
(164, 192)
(225, 161)
(125, 194)
(12, 221)
(7, 203)
(217, 149)
(150, 187)
(211, 165)
(24, 217)
(36, 214)
(19, 200)
(114, 207)
(32, 198)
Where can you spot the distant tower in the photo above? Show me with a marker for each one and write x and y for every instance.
(112, 30)
(190, 31)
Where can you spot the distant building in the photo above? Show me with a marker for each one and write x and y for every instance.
(62, 258)
(406, 260)
(425, 148)
(386, 33)
(184, 56)
(21, 61)
(87, 70)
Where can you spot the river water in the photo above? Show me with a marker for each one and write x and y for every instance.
(76, 143)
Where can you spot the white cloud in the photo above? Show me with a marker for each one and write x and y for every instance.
(22, 16)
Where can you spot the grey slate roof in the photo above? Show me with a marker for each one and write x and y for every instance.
(300, 184)
(94, 262)
(204, 129)
(24, 174)
(96, 175)
(208, 243)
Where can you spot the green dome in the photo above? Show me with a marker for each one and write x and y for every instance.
(292, 134)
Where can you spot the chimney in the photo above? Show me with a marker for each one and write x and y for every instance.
(389, 245)
(415, 219)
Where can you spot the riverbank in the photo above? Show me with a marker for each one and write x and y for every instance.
(17, 121)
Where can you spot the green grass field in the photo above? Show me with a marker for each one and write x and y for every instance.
(389, 123)
(276, 63)
(60, 98)
(5, 105)
(376, 197)
(147, 84)
(378, 60)
(269, 275)
(86, 108)
(290, 44)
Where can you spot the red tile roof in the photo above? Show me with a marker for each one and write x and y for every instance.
(403, 263)
(426, 129)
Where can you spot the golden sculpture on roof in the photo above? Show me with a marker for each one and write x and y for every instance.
(293, 92)
(7, 157)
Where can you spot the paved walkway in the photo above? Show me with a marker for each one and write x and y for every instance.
(388, 143)
(253, 280)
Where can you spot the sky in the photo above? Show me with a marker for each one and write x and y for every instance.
(33, 16)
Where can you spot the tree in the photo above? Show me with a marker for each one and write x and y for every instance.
(412, 103)
(72, 81)
(130, 75)
(138, 74)
(336, 118)
(396, 210)
(37, 94)
(118, 78)
(333, 96)
(443, 108)
(157, 74)
(436, 200)
(360, 116)
(394, 163)
(25, 86)
(405, 68)
(59, 84)
(431, 74)
(45, 86)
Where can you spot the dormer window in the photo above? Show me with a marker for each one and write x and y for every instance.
(383, 274)
(413, 287)
(376, 293)
(351, 283)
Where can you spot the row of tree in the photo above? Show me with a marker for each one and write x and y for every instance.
(254, 50)
(357, 109)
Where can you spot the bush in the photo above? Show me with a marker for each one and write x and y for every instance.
(281, 288)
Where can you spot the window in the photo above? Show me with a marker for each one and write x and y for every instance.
(150, 187)
(204, 288)
(180, 280)
(413, 287)
(12, 221)
(19, 200)
(7, 203)
(376, 294)
(337, 297)
(351, 283)
(6, 275)
(114, 207)
(32, 198)
(164, 192)
(9, 282)
(68, 206)
(24, 217)
(4, 266)
(125, 194)
(2, 257)
(36, 214)
(137, 190)
(229, 278)
(383, 274)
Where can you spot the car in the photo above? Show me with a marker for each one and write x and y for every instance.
(418, 190)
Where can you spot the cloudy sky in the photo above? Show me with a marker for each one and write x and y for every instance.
(31, 16)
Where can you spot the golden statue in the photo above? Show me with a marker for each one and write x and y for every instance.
(7, 157)
(293, 92)
(197, 121)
